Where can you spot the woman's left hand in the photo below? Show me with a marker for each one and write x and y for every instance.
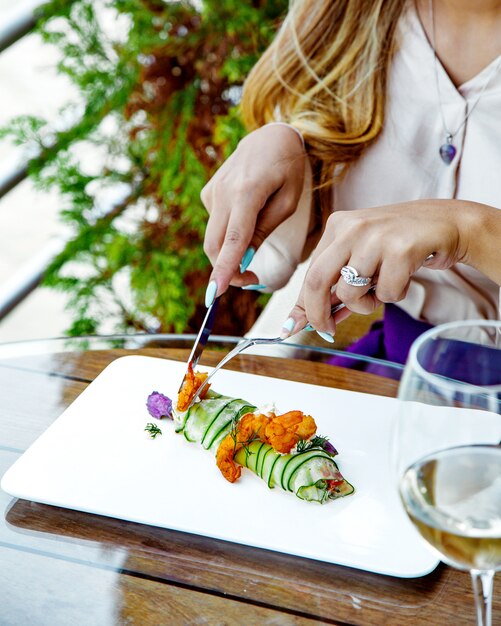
(387, 244)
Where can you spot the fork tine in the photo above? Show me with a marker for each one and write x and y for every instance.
(243, 345)
(238, 349)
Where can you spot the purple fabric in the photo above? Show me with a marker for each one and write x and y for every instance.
(389, 339)
(475, 364)
(400, 330)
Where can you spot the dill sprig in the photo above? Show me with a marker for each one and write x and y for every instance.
(235, 420)
(303, 445)
(152, 429)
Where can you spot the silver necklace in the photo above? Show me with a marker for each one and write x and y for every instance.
(448, 150)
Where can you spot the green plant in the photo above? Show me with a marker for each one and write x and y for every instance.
(158, 89)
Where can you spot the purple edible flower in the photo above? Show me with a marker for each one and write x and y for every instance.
(159, 405)
(328, 447)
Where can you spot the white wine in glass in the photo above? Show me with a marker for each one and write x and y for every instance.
(448, 448)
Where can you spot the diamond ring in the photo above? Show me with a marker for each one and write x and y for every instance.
(352, 278)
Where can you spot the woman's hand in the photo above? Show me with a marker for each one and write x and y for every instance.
(387, 244)
(253, 192)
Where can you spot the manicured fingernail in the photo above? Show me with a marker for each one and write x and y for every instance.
(308, 327)
(210, 294)
(254, 287)
(287, 327)
(326, 336)
(246, 259)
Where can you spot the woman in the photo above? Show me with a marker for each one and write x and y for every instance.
(392, 116)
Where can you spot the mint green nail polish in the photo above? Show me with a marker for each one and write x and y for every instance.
(326, 336)
(289, 324)
(254, 287)
(287, 328)
(246, 259)
(308, 327)
(210, 294)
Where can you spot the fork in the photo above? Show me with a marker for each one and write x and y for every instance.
(243, 345)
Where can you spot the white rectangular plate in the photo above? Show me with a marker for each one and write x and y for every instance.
(97, 458)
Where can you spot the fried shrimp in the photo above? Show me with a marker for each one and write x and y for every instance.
(191, 385)
(245, 431)
(282, 432)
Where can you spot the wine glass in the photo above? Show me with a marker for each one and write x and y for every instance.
(447, 448)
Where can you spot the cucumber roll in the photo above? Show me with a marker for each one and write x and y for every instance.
(283, 450)
(311, 475)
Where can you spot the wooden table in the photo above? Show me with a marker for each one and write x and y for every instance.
(62, 567)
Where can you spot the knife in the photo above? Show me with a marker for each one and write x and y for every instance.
(202, 338)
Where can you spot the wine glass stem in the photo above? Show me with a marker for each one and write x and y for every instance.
(482, 590)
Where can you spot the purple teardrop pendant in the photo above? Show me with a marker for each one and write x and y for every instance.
(447, 151)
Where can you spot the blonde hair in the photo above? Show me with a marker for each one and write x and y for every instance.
(325, 73)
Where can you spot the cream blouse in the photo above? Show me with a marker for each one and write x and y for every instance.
(404, 164)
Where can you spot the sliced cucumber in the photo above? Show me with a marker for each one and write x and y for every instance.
(221, 425)
(311, 480)
(213, 394)
(215, 419)
(319, 491)
(252, 453)
(313, 493)
(264, 452)
(318, 467)
(201, 415)
(261, 458)
(244, 409)
(294, 462)
(248, 454)
(277, 469)
(268, 464)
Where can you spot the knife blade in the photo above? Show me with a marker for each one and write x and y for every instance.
(202, 338)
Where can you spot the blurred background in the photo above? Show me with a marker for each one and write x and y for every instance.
(113, 115)
(31, 85)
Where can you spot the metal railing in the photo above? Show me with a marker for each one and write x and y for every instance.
(18, 22)
(15, 24)
(11, 176)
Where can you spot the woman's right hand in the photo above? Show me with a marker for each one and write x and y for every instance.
(253, 192)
